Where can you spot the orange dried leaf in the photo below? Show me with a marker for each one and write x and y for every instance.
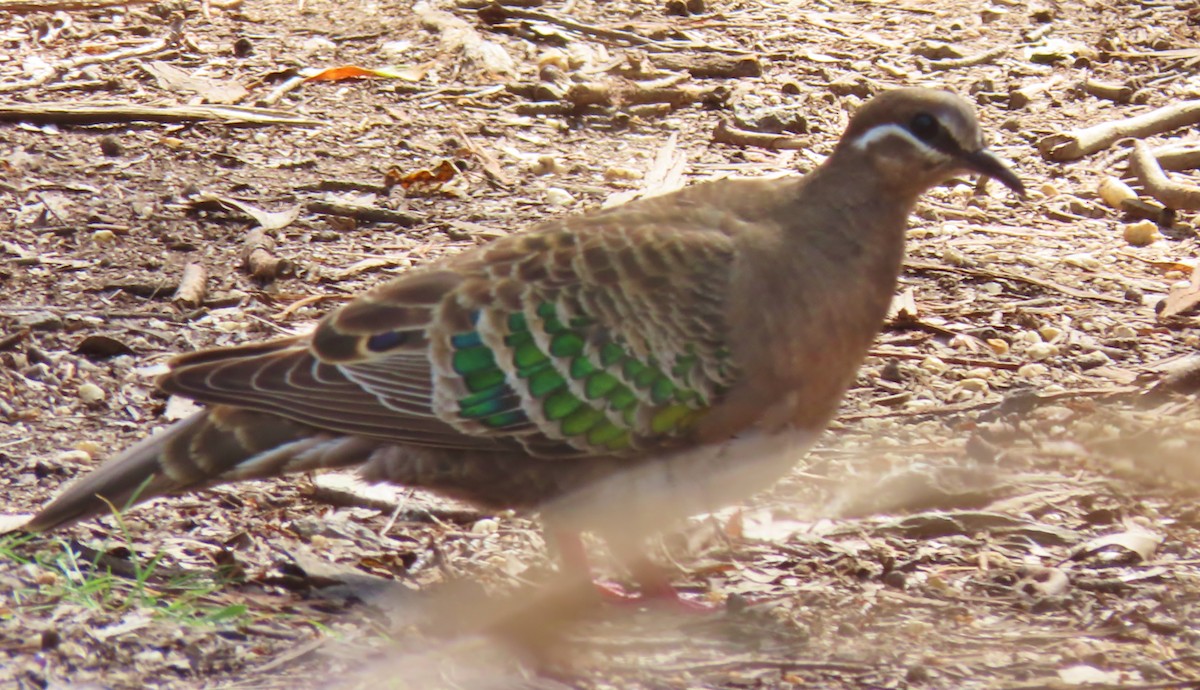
(423, 181)
(341, 73)
(355, 72)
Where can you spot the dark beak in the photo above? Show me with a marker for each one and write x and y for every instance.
(985, 162)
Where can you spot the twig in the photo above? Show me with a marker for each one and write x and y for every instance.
(93, 114)
(969, 60)
(727, 134)
(1112, 91)
(1081, 142)
(1183, 157)
(192, 288)
(299, 304)
(75, 63)
(370, 214)
(289, 85)
(1174, 195)
(11, 340)
(709, 67)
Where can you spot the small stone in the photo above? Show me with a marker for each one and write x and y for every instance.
(991, 288)
(1000, 347)
(104, 237)
(1082, 260)
(992, 13)
(90, 447)
(953, 257)
(1049, 333)
(555, 57)
(545, 165)
(485, 526)
(1029, 338)
(91, 394)
(396, 51)
(556, 196)
(1048, 190)
(1141, 233)
(1092, 360)
(1124, 332)
(110, 146)
(622, 174)
(1033, 371)
(934, 365)
(243, 47)
(74, 457)
(1040, 351)
(973, 385)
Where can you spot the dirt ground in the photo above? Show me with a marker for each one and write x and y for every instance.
(1007, 500)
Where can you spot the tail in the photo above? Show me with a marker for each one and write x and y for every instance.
(218, 445)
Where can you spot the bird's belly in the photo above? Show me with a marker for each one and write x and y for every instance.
(650, 496)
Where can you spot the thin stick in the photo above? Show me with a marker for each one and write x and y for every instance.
(1070, 146)
(94, 114)
(1155, 182)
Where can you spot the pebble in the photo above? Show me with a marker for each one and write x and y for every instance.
(1082, 260)
(556, 196)
(545, 164)
(974, 385)
(934, 365)
(91, 394)
(1049, 333)
(1039, 351)
(1141, 233)
(621, 173)
(1093, 359)
(953, 257)
(485, 526)
(73, 457)
(1033, 371)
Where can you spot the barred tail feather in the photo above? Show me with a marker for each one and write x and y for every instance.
(218, 445)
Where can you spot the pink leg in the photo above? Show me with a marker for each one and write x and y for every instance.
(655, 586)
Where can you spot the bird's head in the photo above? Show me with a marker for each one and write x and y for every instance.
(917, 138)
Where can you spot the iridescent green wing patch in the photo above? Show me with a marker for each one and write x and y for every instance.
(489, 399)
(567, 380)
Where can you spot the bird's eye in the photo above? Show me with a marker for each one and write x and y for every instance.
(924, 126)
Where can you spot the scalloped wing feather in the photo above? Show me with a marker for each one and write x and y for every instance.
(597, 335)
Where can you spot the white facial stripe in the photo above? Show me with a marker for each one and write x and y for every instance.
(892, 130)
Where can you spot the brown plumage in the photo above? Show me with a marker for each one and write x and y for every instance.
(666, 356)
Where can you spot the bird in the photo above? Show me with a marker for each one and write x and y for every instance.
(613, 370)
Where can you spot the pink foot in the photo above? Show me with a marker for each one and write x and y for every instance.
(662, 598)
